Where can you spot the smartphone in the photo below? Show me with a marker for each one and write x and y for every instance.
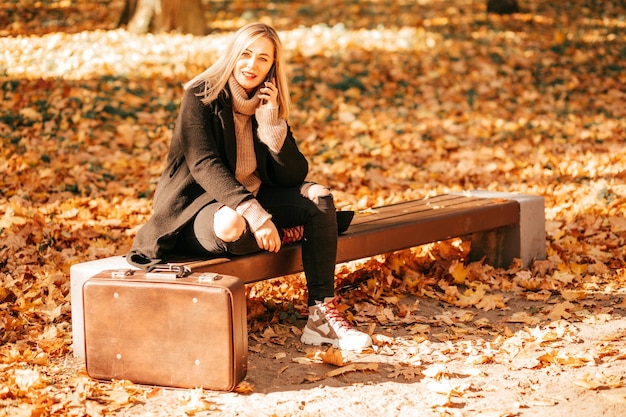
(271, 73)
(270, 77)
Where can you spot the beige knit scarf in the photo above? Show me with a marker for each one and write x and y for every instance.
(244, 107)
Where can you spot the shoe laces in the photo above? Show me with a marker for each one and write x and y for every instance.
(332, 314)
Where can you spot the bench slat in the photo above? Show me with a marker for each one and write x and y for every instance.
(408, 212)
(422, 208)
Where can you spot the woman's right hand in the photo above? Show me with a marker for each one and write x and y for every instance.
(269, 94)
(267, 237)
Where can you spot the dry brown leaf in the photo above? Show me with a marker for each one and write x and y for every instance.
(409, 373)
(542, 295)
(382, 340)
(436, 371)
(419, 328)
(599, 381)
(561, 311)
(523, 317)
(616, 336)
(303, 360)
(446, 389)
(615, 397)
(574, 295)
(244, 387)
(491, 302)
(333, 357)
(542, 401)
(311, 378)
(352, 368)
(622, 304)
(558, 358)
(27, 379)
(193, 401)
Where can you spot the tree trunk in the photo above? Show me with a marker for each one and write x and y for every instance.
(143, 16)
(502, 6)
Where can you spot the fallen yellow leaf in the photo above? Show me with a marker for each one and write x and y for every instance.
(459, 272)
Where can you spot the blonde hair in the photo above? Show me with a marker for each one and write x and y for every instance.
(216, 76)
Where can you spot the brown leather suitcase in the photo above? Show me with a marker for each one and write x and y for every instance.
(157, 329)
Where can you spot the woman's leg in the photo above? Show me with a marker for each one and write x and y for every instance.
(311, 206)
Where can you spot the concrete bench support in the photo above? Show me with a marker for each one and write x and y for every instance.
(525, 240)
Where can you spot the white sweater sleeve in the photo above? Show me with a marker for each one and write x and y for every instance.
(254, 213)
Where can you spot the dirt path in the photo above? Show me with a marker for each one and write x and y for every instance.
(459, 363)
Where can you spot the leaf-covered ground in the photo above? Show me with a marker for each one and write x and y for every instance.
(393, 101)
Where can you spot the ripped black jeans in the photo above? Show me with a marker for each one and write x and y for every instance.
(309, 205)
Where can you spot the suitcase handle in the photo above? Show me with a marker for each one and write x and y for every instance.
(179, 270)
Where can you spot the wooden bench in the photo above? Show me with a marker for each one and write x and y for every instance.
(502, 227)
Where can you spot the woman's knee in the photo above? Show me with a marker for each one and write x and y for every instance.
(228, 224)
(314, 191)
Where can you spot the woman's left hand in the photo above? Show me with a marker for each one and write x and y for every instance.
(267, 237)
(269, 94)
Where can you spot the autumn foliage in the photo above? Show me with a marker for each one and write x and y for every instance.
(392, 101)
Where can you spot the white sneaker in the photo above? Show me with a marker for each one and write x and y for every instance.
(327, 325)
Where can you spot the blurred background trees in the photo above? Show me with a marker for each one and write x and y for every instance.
(187, 16)
(502, 6)
(143, 16)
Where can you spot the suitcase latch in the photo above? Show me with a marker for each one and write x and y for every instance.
(209, 277)
(122, 273)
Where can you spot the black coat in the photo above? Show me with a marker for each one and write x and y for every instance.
(200, 169)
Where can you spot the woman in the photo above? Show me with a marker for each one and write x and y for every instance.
(235, 179)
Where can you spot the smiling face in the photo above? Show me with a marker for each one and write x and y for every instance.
(254, 63)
